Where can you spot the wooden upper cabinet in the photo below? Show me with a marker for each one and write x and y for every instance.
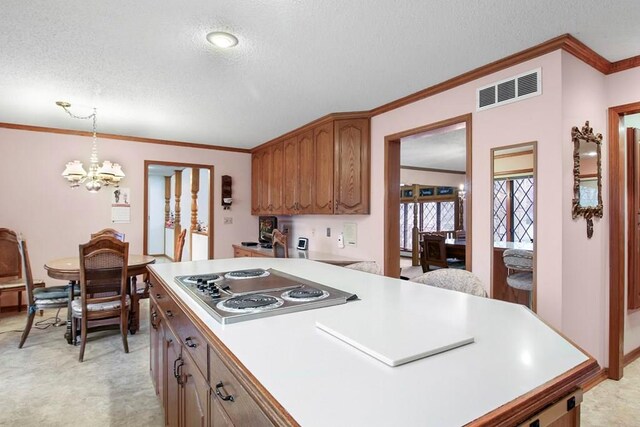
(266, 166)
(323, 176)
(256, 181)
(322, 169)
(306, 172)
(351, 167)
(277, 176)
(291, 175)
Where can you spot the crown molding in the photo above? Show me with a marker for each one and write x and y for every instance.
(122, 137)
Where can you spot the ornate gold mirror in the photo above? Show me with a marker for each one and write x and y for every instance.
(587, 175)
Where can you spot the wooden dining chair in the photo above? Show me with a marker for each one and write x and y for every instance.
(11, 277)
(103, 261)
(279, 244)
(39, 298)
(177, 253)
(433, 252)
(109, 232)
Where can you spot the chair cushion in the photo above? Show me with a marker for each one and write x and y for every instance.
(453, 279)
(76, 306)
(366, 266)
(522, 280)
(53, 292)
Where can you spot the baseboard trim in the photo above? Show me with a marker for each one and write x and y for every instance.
(631, 357)
(596, 379)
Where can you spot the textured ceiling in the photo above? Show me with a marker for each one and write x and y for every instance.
(148, 69)
(435, 150)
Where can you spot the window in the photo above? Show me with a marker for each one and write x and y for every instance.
(432, 216)
(513, 209)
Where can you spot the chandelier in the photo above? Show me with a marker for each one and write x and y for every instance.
(98, 176)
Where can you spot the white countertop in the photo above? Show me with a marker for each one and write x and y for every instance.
(312, 255)
(323, 381)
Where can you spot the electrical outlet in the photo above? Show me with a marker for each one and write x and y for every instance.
(228, 220)
(328, 232)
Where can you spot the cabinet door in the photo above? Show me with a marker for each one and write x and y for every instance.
(173, 360)
(217, 416)
(266, 166)
(290, 174)
(196, 394)
(277, 175)
(306, 172)
(157, 354)
(351, 177)
(256, 178)
(323, 170)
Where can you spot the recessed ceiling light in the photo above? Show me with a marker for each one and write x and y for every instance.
(222, 39)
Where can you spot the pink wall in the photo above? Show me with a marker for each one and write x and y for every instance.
(54, 219)
(585, 262)
(534, 119)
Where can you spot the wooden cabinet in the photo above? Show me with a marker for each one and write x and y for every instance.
(172, 365)
(351, 167)
(298, 172)
(323, 175)
(256, 183)
(156, 363)
(195, 394)
(181, 359)
(267, 180)
(323, 169)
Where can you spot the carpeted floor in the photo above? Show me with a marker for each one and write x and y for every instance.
(43, 384)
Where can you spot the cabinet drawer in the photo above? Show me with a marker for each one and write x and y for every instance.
(192, 340)
(242, 410)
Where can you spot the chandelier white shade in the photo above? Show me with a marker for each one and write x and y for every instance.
(98, 176)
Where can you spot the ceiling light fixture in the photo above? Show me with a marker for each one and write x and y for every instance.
(107, 174)
(222, 39)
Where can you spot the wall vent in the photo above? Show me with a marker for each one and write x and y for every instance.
(522, 86)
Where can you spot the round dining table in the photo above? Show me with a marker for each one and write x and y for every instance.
(69, 269)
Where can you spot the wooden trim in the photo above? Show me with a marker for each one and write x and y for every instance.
(617, 238)
(392, 191)
(145, 228)
(518, 154)
(624, 64)
(122, 137)
(267, 403)
(631, 357)
(513, 172)
(534, 401)
(596, 379)
(177, 195)
(589, 175)
(416, 168)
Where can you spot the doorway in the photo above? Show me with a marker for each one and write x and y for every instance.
(177, 196)
(622, 218)
(427, 195)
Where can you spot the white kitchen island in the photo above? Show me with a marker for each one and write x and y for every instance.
(516, 366)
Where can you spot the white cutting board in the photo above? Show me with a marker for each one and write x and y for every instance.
(394, 340)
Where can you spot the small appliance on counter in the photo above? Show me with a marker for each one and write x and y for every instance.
(266, 225)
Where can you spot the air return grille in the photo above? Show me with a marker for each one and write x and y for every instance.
(510, 90)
